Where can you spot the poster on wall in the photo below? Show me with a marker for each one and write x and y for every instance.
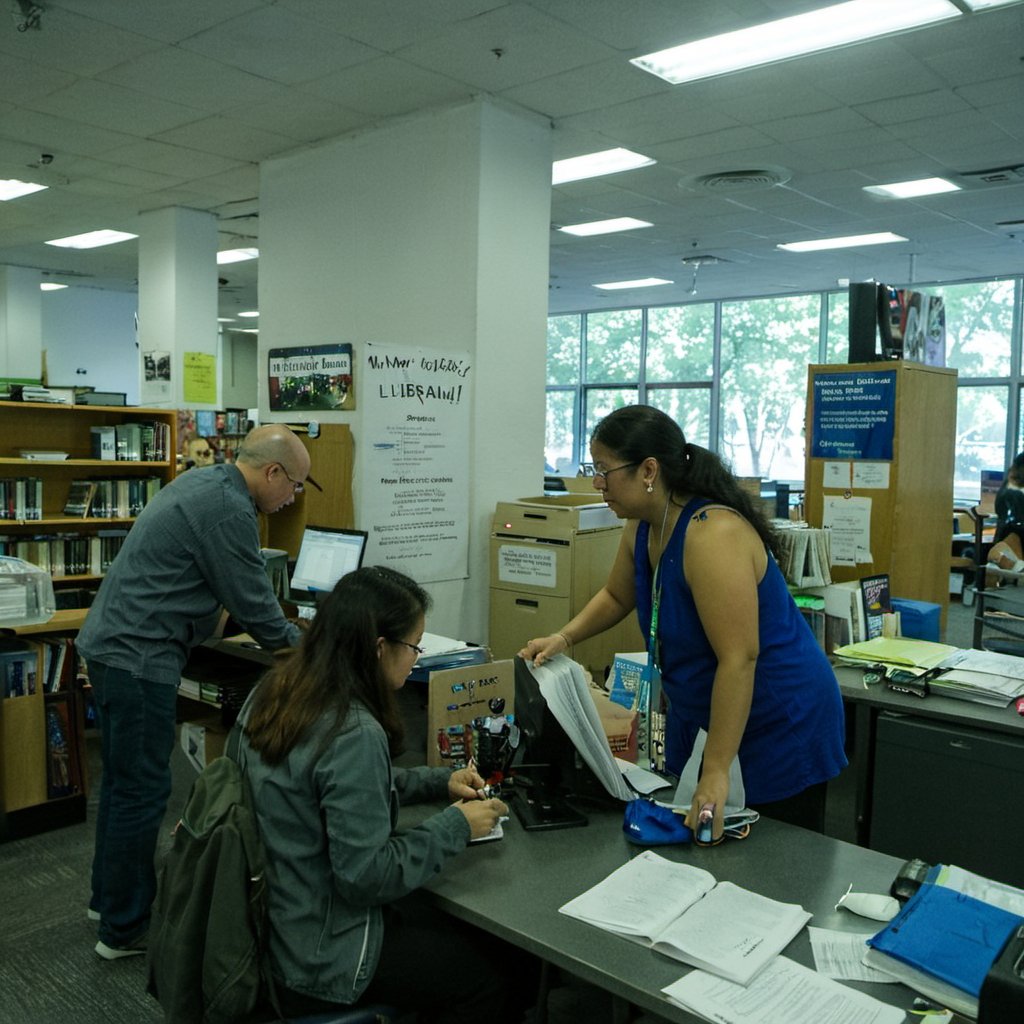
(311, 377)
(156, 377)
(199, 378)
(415, 475)
(854, 415)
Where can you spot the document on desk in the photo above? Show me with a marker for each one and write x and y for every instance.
(902, 651)
(680, 911)
(997, 893)
(840, 955)
(785, 992)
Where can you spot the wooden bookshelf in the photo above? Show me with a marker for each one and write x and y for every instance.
(65, 429)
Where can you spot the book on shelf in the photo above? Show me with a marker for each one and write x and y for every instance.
(104, 443)
(805, 554)
(681, 911)
(942, 943)
(21, 498)
(784, 992)
(80, 497)
(128, 440)
(874, 593)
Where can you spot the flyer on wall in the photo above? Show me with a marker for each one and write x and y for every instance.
(415, 476)
(311, 377)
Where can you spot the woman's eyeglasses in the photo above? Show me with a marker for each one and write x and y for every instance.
(412, 647)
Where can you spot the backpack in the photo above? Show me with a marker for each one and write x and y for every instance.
(208, 928)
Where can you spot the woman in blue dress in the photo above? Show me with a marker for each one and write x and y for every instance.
(736, 657)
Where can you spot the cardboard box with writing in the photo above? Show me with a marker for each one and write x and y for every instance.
(455, 697)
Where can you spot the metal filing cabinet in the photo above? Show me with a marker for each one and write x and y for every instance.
(949, 794)
(549, 556)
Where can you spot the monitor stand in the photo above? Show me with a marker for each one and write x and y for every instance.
(540, 803)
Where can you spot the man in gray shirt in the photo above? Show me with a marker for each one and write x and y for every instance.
(193, 552)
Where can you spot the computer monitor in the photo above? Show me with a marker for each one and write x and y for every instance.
(326, 554)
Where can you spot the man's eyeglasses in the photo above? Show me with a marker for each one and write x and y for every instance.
(412, 647)
(299, 485)
(603, 474)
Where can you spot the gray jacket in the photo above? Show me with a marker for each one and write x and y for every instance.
(194, 549)
(327, 815)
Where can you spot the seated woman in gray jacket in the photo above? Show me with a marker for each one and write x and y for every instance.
(319, 732)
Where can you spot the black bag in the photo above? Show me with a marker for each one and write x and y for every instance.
(208, 930)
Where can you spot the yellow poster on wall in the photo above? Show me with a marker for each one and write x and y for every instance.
(199, 379)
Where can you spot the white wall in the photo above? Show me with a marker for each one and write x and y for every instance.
(430, 231)
(91, 330)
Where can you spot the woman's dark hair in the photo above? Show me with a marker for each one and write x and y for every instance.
(638, 432)
(337, 662)
(1015, 474)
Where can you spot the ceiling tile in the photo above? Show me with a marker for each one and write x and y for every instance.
(159, 156)
(298, 116)
(58, 135)
(228, 138)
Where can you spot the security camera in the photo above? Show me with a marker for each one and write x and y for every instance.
(45, 158)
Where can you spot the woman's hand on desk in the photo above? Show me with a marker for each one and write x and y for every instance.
(482, 815)
(712, 790)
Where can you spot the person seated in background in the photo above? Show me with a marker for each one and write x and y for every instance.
(1007, 551)
(318, 735)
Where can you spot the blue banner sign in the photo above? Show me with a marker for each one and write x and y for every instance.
(854, 415)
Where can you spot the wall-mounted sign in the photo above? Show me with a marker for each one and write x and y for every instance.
(313, 377)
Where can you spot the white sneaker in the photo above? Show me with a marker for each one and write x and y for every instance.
(136, 948)
(92, 915)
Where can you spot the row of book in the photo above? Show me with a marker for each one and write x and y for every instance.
(112, 497)
(147, 441)
(21, 498)
(27, 666)
(67, 554)
(805, 554)
(848, 612)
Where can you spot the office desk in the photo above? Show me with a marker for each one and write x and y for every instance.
(921, 762)
(513, 889)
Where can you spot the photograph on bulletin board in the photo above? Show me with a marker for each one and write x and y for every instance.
(311, 377)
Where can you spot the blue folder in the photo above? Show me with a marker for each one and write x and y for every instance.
(948, 935)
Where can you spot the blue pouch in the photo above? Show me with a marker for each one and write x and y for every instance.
(648, 824)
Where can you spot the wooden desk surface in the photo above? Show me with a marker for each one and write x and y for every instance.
(513, 889)
(64, 619)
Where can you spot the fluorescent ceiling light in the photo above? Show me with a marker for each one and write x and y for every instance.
(605, 227)
(640, 282)
(913, 189)
(247, 330)
(823, 29)
(237, 255)
(11, 188)
(845, 242)
(593, 165)
(225, 319)
(92, 239)
(51, 286)
(250, 312)
(981, 5)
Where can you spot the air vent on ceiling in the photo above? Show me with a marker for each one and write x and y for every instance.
(996, 176)
(741, 181)
(702, 260)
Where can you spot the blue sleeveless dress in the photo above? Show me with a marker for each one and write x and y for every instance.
(795, 732)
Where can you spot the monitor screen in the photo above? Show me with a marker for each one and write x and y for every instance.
(325, 556)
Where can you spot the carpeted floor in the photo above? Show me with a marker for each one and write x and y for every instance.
(49, 973)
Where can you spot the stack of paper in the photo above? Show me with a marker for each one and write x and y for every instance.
(679, 910)
(981, 676)
(785, 992)
(897, 651)
(804, 555)
(942, 944)
(563, 685)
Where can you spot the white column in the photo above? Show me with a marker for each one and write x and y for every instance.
(21, 330)
(432, 231)
(178, 290)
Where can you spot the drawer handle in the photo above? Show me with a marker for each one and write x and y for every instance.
(534, 515)
(960, 744)
(526, 603)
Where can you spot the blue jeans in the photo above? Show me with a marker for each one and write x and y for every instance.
(136, 719)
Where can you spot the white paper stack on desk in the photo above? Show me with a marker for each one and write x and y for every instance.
(981, 676)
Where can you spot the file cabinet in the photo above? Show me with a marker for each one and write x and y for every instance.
(549, 556)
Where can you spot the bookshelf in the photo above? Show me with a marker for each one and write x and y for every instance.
(35, 526)
(880, 439)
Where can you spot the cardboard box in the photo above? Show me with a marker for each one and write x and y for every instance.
(619, 725)
(203, 740)
(458, 695)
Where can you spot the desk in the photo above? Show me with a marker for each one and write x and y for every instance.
(926, 791)
(513, 889)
